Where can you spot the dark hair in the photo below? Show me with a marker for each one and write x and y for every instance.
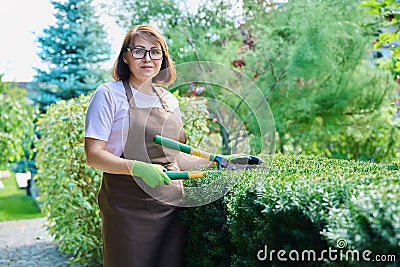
(167, 74)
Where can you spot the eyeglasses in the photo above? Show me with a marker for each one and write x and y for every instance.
(140, 53)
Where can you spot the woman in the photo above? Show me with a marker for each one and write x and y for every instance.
(137, 200)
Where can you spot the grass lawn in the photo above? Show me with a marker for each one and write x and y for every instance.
(15, 204)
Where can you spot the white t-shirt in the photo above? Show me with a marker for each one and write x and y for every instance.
(107, 117)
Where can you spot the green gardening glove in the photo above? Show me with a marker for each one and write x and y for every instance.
(152, 174)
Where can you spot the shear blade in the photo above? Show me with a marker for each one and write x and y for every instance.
(247, 160)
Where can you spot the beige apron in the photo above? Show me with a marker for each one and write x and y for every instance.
(140, 225)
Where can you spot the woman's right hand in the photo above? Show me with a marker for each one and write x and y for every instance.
(152, 174)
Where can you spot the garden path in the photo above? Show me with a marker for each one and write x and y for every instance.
(27, 243)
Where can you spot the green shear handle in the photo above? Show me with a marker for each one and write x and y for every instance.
(169, 143)
(237, 163)
(185, 175)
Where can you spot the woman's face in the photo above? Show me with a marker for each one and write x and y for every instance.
(146, 68)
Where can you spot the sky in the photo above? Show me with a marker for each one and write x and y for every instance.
(21, 21)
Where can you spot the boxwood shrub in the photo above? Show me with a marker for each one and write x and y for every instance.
(301, 203)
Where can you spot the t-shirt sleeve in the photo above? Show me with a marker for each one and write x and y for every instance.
(100, 114)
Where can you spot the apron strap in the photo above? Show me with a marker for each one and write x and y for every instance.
(129, 94)
(159, 92)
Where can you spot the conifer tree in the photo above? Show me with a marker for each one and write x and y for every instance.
(74, 49)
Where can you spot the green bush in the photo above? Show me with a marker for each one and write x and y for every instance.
(16, 124)
(194, 118)
(371, 219)
(68, 186)
(209, 239)
(300, 203)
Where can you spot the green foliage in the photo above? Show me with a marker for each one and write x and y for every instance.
(194, 118)
(74, 49)
(386, 15)
(370, 219)
(301, 202)
(372, 138)
(16, 124)
(210, 240)
(326, 97)
(68, 186)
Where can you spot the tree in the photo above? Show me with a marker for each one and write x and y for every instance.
(326, 95)
(74, 49)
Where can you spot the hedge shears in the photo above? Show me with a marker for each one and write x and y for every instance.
(240, 162)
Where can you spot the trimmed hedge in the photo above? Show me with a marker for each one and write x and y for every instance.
(301, 203)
